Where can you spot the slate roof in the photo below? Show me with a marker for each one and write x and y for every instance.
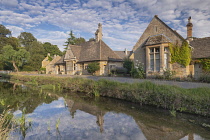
(60, 61)
(122, 54)
(201, 47)
(157, 39)
(90, 51)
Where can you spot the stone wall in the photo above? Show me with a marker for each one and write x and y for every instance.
(154, 28)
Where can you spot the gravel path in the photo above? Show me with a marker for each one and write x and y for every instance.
(186, 85)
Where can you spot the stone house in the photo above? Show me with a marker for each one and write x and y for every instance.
(49, 65)
(77, 57)
(152, 49)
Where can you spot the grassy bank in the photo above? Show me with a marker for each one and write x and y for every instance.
(196, 101)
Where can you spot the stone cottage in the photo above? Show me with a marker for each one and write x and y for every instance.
(77, 57)
(152, 49)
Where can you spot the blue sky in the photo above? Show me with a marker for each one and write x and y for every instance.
(123, 21)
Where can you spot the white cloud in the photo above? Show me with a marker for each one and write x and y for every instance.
(123, 21)
(15, 30)
(9, 3)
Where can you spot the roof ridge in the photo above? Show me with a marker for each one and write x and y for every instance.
(168, 27)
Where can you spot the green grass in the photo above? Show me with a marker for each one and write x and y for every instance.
(196, 101)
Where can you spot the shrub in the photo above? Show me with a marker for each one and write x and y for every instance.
(128, 65)
(27, 68)
(168, 74)
(137, 70)
(93, 67)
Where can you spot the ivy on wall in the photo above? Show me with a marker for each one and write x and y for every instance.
(181, 55)
(206, 64)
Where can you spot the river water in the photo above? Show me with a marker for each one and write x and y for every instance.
(62, 115)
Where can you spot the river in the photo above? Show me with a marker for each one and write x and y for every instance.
(63, 115)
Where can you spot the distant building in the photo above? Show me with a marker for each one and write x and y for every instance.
(77, 57)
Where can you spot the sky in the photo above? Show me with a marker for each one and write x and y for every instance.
(123, 21)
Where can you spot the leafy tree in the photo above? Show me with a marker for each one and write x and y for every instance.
(93, 67)
(37, 55)
(26, 40)
(92, 39)
(17, 58)
(127, 63)
(4, 31)
(72, 40)
(52, 49)
(79, 40)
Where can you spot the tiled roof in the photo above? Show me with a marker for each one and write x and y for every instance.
(122, 54)
(91, 51)
(201, 47)
(157, 39)
(60, 61)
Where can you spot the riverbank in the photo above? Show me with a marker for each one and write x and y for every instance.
(196, 101)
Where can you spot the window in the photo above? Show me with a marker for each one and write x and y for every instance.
(75, 66)
(166, 57)
(155, 59)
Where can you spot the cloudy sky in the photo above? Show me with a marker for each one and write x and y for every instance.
(123, 21)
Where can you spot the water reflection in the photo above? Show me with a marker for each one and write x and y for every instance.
(67, 115)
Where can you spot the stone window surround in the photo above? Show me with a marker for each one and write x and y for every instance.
(161, 52)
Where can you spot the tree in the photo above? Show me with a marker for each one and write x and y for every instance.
(92, 39)
(72, 40)
(93, 67)
(4, 31)
(17, 58)
(26, 40)
(52, 49)
(37, 53)
(127, 63)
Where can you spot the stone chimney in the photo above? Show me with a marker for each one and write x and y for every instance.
(126, 52)
(98, 34)
(189, 29)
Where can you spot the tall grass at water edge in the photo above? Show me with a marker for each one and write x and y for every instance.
(196, 101)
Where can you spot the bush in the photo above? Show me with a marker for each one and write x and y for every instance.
(137, 71)
(93, 67)
(168, 74)
(27, 68)
(205, 78)
(128, 65)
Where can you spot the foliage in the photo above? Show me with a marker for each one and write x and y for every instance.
(181, 55)
(206, 64)
(128, 63)
(26, 40)
(37, 55)
(52, 49)
(49, 58)
(4, 31)
(93, 67)
(27, 68)
(72, 40)
(92, 39)
(137, 70)
(205, 77)
(168, 74)
(17, 58)
(196, 100)
(5, 124)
